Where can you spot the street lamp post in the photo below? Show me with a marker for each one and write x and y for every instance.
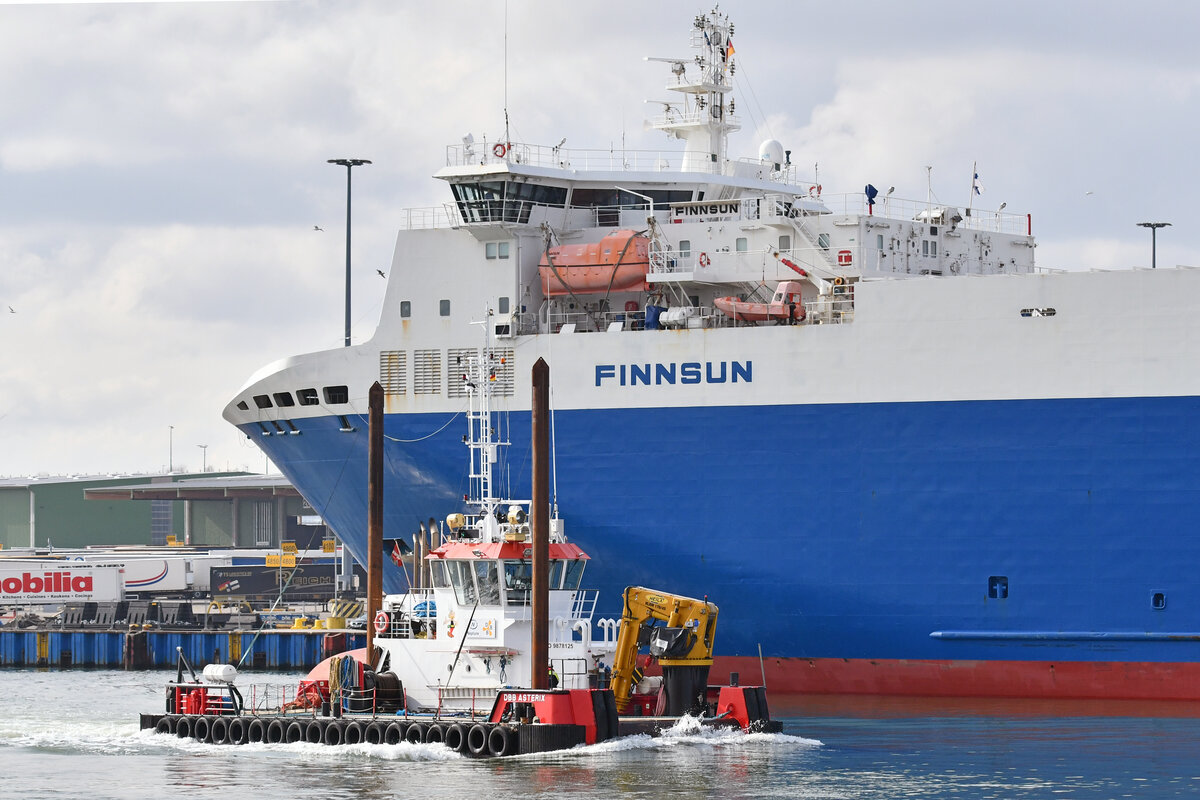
(349, 164)
(1153, 226)
(170, 449)
(204, 457)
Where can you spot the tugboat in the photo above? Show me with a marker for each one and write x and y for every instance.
(446, 653)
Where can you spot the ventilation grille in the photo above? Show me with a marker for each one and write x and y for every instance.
(393, 372)
(427, 372)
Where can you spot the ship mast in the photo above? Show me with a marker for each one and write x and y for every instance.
(706, 118)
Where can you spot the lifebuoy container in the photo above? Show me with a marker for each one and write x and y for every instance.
(703, 260)
(500, 149)
(845, 258)
(477, 739)
(502, 741)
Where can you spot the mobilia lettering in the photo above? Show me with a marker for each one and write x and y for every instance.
(46, 583)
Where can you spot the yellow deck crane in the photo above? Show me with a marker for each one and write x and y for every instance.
(683, 647)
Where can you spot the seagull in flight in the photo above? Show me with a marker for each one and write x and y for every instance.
(12, 310)
(382, 274)
(318, 228)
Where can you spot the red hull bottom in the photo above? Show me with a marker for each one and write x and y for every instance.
(1112, 680)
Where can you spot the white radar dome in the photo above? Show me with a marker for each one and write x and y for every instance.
(771, 152)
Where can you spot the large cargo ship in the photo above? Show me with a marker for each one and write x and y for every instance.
(901, 457)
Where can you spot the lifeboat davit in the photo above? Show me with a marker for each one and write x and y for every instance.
(786, 306)
(617, 263)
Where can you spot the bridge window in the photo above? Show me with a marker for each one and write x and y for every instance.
(518, 581)
(437, 574)
(262, 401)
(308, 397)
(489, 584)
(284, 399)
(574, 574)
(463, 581)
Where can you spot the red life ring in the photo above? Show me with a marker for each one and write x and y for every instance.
(381, 621)
(703, 260)
(631, 305)
(500, 149)
(845, 258)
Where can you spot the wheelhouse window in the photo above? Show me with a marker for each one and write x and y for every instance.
(308, 397)
(573, 574)
(505, 201)
(462, 578)
(437, 574)
(488, 582)
(262, 400)
(284, 399)
(337, 394)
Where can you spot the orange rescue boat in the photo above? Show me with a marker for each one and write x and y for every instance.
(786, 306)
(617, 263)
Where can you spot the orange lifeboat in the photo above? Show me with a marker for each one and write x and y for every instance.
(617, 263)
(786, 306)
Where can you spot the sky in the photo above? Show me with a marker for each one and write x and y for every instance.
(163, 165)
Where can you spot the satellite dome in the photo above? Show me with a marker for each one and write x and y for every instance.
(771, 152)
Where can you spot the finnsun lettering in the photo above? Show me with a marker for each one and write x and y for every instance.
(684, 373)
(49, 583)
(704, 209)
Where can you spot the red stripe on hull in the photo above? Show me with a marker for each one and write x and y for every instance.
(1113, 680)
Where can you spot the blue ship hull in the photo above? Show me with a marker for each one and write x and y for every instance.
(1036, 530)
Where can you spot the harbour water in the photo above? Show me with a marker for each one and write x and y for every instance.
(75, 734)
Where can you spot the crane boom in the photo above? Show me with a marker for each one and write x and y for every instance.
(683, 645)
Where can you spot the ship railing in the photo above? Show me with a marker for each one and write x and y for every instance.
(410, 617)
(613, 159)
(904, 210)
(583, 160)
(833, 310)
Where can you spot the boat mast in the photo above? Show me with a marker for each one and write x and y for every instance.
(707, 118)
